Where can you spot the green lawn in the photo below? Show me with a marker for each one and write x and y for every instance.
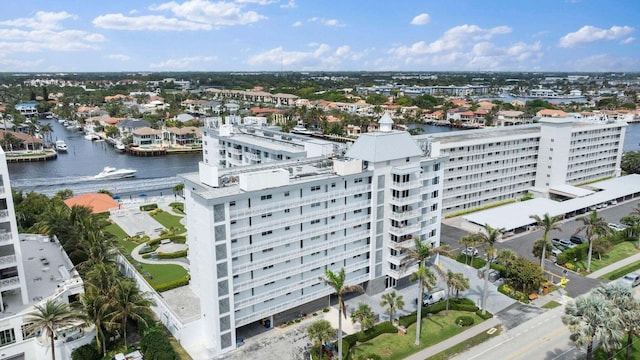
(620, 353)
(435, 329)
(616, 274)
(617, 253)
(551, 304)
(161, 273)
(168, 220)
(116, 230)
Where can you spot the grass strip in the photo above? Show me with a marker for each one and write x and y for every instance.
(465, 345)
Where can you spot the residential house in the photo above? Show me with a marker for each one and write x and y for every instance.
(146, 136)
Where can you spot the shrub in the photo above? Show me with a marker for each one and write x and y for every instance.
(464, 320)
(86, 352)
(148, 207)
(454, 304)
(172, 284)
(177, 206)
(173, 255)
(325, 310)
(485, 316)
(570, 266)
(156, 211)
(562, 258)
(155, 345)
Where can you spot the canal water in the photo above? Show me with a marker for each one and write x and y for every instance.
(85, 159)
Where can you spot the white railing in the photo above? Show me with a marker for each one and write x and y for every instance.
(403, 230)
(9, 282)
(9, 259)
(281, 240)
(404, 215)
(406, 200)
(407, 185)
(6, 236)
(4, 213)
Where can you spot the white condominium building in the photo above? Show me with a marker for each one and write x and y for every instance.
(261, 236)
(33, 269)
(488, 166)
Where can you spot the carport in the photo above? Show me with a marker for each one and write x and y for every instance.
(515, 218)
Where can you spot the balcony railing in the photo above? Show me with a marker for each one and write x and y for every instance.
(9, 282)
(9, 259)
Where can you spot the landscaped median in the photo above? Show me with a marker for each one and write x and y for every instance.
(386, 341)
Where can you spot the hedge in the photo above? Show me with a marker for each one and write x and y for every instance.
(464, 320)
(173, 255)
(577, 253)
(454, 304)
(148, 207)
(371, 333)
(485, 316)
(172, 284)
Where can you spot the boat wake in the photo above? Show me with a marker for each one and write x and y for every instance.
(87, 184)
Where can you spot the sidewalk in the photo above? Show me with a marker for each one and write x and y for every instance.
(614, 266)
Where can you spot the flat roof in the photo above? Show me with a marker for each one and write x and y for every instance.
(184, 303)
(570, 190)
(512, 216)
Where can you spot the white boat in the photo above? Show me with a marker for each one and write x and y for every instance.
(61, 146)
(92, 136)
(119, 147)
(300, 129)
(113, 173)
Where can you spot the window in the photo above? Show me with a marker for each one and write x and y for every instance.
(26, 332)
(265, 197)
(316, 221)
(286, 193)
(358, 180)
(286, 228)
(315, 204)
(7, 337)
(266, 215)
(286, 211)
(267, 250)
(315, 188)
(264, 233)
(267, 267)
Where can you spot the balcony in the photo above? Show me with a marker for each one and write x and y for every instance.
(406, 185)
(5, 237)
(404, 230)
(4, 214)
(410, 214)
(9, 283)
(7, 260)
(406, 200)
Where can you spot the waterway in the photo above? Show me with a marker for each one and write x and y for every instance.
(85, 159)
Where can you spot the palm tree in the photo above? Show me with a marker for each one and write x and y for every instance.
(593, 226)
(589, 317)
(127, 302)
(546, 223)
(337, 282)
(487, 238)
(457, 282)
(622, 297)
(320, 332)
(364, 315)
(468, 241)
(49, 317)
(420, 253)
(96, 307)
(393, 302)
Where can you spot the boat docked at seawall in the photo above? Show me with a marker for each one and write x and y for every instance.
(61, 146)
(110, 173)
(120, 147)
(300, 129)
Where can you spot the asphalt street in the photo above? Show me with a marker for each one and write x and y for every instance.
(523, 244)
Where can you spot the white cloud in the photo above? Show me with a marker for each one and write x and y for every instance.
(604, 62)
(259, 2)
(326, 22)
(320, 56)
(588, 34)
(120, 57)
(290, 5)
(41, 20)
(20, 65)
(421, 19)
(454, 38)
(146, 22)
(215, 14)
(192, 62)
(297, 24)
(190, 15)
(628, 40)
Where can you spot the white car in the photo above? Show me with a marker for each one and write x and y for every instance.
(632, 280)
(616, 227)
(470, 251)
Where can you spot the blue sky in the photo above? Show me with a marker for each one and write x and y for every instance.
(314, 35)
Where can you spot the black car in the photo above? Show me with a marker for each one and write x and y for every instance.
(577, 239)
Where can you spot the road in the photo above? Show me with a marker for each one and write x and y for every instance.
(544, 337)
(523, 244)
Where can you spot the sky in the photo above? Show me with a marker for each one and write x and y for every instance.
(319, 35)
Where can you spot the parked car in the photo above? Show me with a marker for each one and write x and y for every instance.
(470, 251)
(562, 243)
(632, 279)
(616, 227)
(577, 239)
(433, 297)
(613, 202)
(555, 251)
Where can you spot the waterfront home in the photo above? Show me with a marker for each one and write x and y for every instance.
(512, 117)
(185, 136)
(146, 136)
(27, 108)
(14, 141)
(128, 126)
(551, 113)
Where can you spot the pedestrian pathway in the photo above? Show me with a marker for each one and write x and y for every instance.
(607, 269)
(135, 254)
